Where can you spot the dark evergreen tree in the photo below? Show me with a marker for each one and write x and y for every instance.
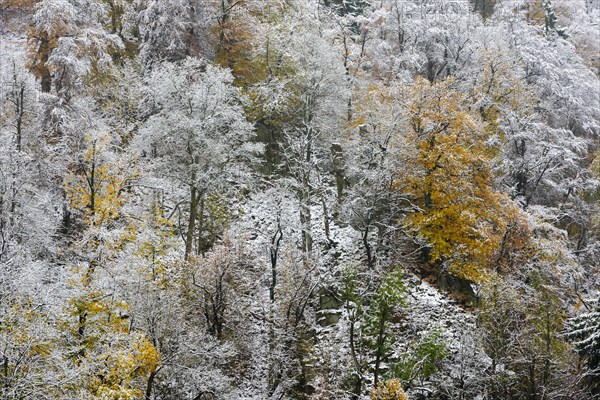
(345, 7)
(585, 333)
(550, 20)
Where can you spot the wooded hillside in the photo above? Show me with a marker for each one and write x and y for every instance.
(299, 199)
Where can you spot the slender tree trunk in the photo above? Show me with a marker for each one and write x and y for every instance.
(358, 383)
(201, 246)
(532, 384)
(368, 250)
(379, 351)
(219, 309)
(338, 166)
(305, 191)
(150, 385)
(5, 369)
(41, 65)
(306, 220)
(273, 373)
(548, 339)
(326, 220)
(65, 225)
(189, 238)
(274, 252)
(20, 111)
(92, 181)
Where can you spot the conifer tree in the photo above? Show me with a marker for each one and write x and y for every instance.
(584, 331)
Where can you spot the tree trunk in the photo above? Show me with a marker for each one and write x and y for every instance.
(305, 191)
(65, 225)
(379, 351)
(358, 383)
(326, 221)
(150, 385)
(41, 65)
(274, 252)
(201, 246)
(338, 167)
(532, 384)
(189, 238)
(365, 238)
(306, 221)
(20, 111)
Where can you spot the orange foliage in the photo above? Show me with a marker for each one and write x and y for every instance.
(235, 45)
(468, 224)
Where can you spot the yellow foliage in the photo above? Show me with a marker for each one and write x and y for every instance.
(27, 346)
(373, 105)
(97, 315)
(389, 390)
(460, 214)
(116, 381)
(251, 59)
(99, 332)
(16, 324)
(97, 186)
(153, 245)
(498, 89)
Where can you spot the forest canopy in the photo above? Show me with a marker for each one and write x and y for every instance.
(299, 199)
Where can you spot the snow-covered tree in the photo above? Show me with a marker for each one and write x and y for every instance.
(584, 331)
(210, 199)
(67, 42)
(197, 139)
(460, 215)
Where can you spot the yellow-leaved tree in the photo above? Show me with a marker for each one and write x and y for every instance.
(97, 185)
(465, 223)
(389, 390)
(25, 348)
(113, 361)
